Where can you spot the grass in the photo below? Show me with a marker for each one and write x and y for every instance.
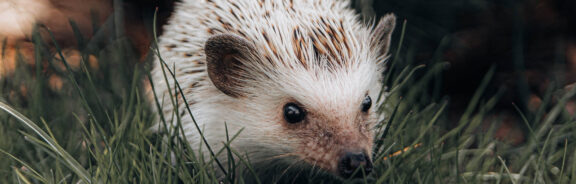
(97, 130)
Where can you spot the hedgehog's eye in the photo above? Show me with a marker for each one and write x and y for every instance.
(293, 113)
(366, 104)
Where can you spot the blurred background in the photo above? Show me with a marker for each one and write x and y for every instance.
(531, 43)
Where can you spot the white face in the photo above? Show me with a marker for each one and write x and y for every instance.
(319, 119)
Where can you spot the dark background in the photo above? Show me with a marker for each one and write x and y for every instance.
(530, 43)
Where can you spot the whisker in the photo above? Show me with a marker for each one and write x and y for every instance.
(314, 170)
(290, 166)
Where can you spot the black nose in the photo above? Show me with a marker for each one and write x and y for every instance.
(351, 162)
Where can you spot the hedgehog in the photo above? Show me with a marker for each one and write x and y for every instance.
(298, 79)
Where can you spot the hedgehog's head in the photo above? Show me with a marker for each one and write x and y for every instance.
(303, 99)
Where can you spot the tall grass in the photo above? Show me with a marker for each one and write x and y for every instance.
(97, 130)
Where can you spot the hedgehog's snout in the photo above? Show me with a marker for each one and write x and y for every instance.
(354, 164)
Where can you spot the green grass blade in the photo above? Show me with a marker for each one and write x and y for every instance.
(71, 162)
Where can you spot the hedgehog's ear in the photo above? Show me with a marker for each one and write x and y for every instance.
(383, 32)
(226, 55)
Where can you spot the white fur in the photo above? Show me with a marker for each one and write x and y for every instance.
(337, 92)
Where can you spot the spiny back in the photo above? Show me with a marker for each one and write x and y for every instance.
(308, 34)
